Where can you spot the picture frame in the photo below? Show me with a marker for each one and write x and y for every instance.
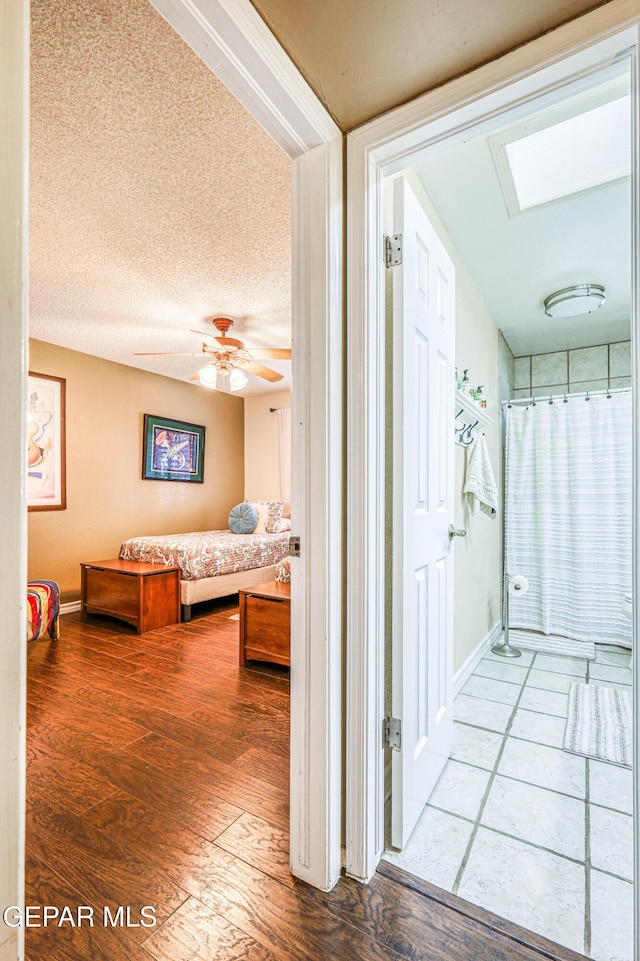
(172, 450)
(46, 443)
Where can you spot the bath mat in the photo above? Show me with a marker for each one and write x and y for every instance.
(599, 723)
(552, 644)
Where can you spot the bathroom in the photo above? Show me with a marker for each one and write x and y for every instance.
(521, 822)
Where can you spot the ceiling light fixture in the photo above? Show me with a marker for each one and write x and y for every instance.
(208, 376)
(237, 380)
(219, 375)
(573, 301)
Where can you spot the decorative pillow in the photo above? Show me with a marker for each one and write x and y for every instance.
(285, 524)
(269, 516)
(243, 518)
(283, 571)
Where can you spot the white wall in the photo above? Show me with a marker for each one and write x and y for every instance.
(14, 85)
(477, 560)
(260, 463)
(477, 589)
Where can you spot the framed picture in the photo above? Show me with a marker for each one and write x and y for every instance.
(172, 450)
(46, 450)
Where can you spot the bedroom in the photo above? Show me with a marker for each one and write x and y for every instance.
(213, 241)
(104, 287)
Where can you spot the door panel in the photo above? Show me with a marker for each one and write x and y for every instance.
(423, 362)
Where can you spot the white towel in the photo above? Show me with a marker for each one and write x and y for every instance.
(480, 484)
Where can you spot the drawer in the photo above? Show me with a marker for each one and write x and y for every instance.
(266, 627)
(112, 591)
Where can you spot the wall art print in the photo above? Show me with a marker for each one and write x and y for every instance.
(46, 453)
(172, 450)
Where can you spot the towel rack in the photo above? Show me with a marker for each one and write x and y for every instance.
(469, 418)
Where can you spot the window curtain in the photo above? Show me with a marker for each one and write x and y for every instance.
(568, 515)
(283, 451)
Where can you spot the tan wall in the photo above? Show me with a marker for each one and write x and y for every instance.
(107, 501)
(260, 465)
(384, 53)
(477, 558)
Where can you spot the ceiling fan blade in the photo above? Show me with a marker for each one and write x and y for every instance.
(201, 333)
(259, 370)
(168, 353)
(223, 341)
(229, 342)
(273, 353)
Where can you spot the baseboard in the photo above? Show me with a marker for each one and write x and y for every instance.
(70, 607)
(461, 676)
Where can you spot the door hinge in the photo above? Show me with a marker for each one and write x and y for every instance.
(294, 547)
(392, 732)
(393, 250)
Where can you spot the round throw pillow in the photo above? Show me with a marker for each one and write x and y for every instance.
(243, 518)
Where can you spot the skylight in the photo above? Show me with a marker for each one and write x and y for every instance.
(580, 152)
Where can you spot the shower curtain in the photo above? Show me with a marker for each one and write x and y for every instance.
(568, 515)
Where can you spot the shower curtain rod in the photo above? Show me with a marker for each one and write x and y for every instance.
(549, 398)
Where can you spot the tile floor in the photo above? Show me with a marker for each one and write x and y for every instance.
(523, 828)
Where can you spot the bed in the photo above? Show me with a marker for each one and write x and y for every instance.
(212, 563)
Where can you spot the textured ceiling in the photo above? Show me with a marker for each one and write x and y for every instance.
(363, 57)
(155, 199)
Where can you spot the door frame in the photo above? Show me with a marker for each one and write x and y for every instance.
(231, 38)
(376, 150)
(14, 141)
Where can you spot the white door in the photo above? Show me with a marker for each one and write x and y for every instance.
(423, 378)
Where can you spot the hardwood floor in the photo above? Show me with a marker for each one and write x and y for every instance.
(158, 776)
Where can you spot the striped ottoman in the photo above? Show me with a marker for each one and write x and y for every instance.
(43, 609)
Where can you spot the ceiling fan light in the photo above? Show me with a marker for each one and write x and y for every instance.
(208, 376)
(237, 380)
(573, 301)
(222, 380)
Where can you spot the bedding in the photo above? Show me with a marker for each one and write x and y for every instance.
(208, 553)
(269, 516)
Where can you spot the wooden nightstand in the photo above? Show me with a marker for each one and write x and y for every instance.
(265, 623)
(145, 595)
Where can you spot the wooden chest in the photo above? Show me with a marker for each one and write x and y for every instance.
(265, 623)
(145, 595)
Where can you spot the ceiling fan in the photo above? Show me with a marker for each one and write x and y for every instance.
(228, 359)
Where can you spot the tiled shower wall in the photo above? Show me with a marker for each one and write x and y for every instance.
(573, 371)
(506, 369)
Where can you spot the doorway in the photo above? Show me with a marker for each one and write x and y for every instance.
(302, 127)
(378, 162)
